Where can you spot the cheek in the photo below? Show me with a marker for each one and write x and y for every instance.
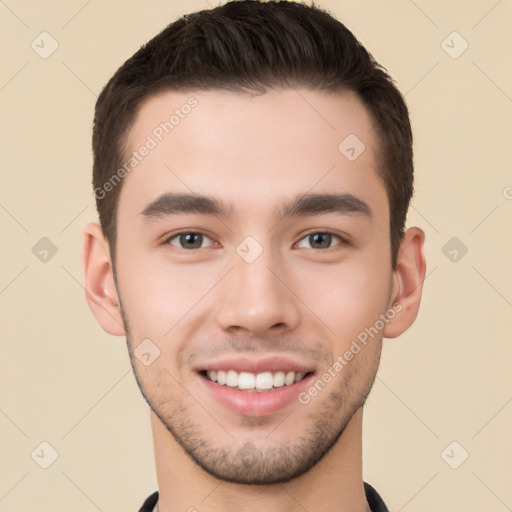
(157, 296)
(347, 299)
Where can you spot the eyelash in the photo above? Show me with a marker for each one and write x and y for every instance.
(342, 240)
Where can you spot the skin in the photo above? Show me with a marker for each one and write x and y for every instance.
(296, 300)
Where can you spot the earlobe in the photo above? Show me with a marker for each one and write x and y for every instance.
(408, 280)
(100, 289)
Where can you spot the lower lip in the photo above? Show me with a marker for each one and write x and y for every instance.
(254, 403)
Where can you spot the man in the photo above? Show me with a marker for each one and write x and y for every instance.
(253, 171)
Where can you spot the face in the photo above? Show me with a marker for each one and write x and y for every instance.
(251, 254)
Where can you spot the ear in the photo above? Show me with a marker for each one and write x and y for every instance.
(408, 280)
(100, 288)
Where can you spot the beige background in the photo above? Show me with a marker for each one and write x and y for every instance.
(66, 382)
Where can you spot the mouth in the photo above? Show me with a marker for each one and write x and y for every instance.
(254, 382)
(255, 388)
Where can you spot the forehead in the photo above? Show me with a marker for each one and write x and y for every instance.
(251, 149)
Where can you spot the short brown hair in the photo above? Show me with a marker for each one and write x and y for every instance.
(245, 46)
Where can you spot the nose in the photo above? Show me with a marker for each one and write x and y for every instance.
(256, 298)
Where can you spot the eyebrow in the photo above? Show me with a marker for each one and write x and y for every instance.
(300, 206)
(315, 204)
(173, 204)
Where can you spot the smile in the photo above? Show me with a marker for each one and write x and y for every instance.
(255, 387)
(246, 381)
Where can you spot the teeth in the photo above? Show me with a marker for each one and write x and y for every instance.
(246, 381)
(232, 379)
(290, 378)
(279, 379)
(249, 381)
(264, 381)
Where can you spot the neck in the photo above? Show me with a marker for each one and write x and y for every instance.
(334, 483)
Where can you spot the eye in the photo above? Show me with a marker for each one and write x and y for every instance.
(320, 240)
(190, 240)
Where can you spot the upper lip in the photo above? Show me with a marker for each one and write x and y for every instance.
(251, 365)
